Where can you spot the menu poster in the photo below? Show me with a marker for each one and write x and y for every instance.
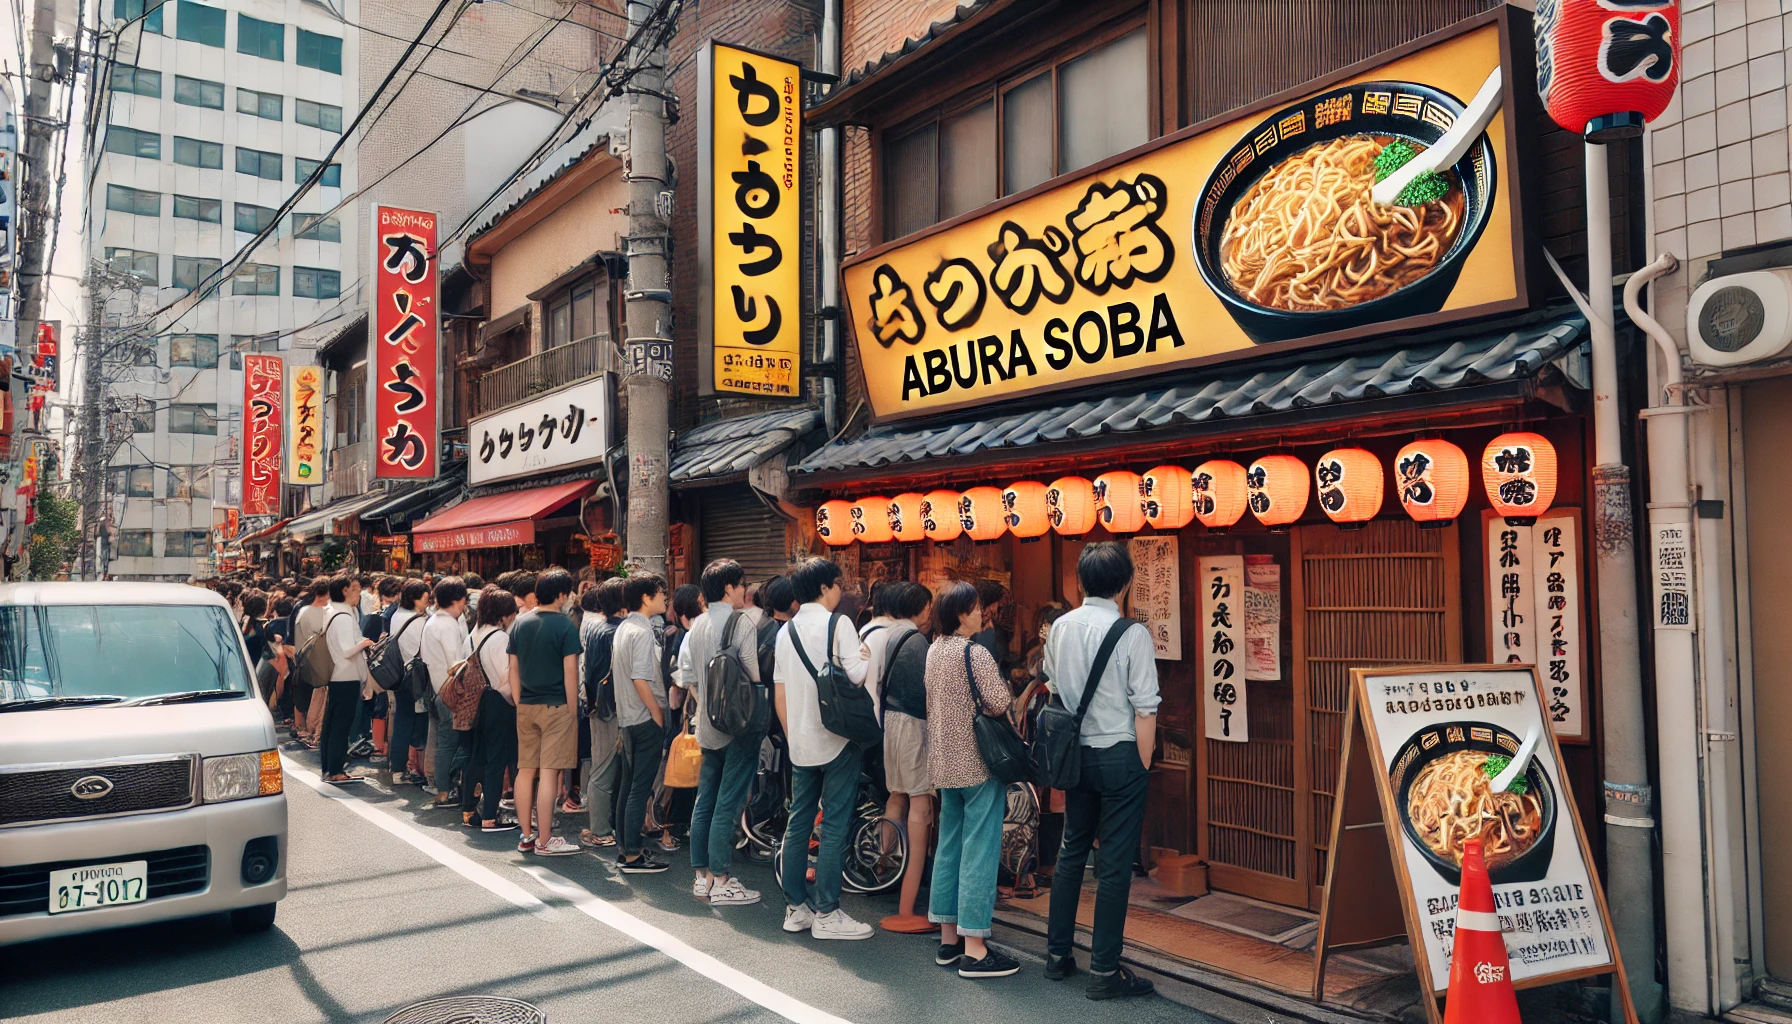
(1222, 637)
(1262, 618)
(1671, 558)
(1156, 597)
(1436, 736)
(1534, 609)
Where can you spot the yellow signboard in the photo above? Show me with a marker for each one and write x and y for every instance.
(749, 156)
(1255, 235)
(304, 432)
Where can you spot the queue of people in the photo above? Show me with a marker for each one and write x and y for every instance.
(529, 695)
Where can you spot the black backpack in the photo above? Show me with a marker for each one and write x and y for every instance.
(846, 709)
(385, 662)
(1057, 750)
(733, 702)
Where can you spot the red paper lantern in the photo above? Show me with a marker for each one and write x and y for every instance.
(980, 513)
(939, 515)
(1278, 489)
(1605, 68)
(1119, 501)
(833, 522)
(905, 517)
(1519, 472)
(1026, 513)
(1349, 485)
(1218, 492)
(871, 520)
(1169, 497)
(1432, 476)
(1070, 505)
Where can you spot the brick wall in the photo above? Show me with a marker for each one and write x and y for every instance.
(871, 28)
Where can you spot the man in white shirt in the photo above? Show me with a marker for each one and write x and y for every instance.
(445, 644)
(824, 766)
(342, 632)
(307, 623)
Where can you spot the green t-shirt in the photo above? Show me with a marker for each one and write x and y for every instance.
(541, 640)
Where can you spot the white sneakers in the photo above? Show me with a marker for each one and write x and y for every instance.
(730, 893)
(700, 887)
(799, 918)
(835, 925)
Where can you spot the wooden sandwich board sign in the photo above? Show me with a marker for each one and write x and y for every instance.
(1416, 736)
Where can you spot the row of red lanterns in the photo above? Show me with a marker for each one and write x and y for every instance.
(1431, 477)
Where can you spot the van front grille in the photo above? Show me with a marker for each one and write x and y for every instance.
(45, 794)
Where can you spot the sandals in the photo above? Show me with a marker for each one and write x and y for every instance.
(668, 842)
(595, 842)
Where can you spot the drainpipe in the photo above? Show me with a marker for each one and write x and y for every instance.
(827, 219)
(1629, 859)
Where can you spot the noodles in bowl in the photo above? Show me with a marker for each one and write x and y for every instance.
(1452, 800)
(1307, 237)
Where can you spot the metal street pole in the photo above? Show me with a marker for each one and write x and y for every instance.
(90, 468)
(649, 300)
(35, 199)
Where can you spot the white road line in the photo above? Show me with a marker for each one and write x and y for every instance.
(454, 861)
(605, 912)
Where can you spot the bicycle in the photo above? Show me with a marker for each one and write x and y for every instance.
(876, 849)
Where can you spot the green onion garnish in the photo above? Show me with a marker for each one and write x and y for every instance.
(1392, 157)
(1428, 187)
(1493, 766)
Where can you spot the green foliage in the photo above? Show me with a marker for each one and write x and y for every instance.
(55, 536)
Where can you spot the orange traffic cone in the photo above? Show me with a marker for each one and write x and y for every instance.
(1480, 978)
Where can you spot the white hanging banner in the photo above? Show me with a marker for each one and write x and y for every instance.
(1561, 661)
(1511, 607)
(1222, 648)
(1156, 592)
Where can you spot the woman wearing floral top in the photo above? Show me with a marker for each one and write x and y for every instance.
(963, 682)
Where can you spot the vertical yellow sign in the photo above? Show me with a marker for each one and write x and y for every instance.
(750, 221)
(304, 434)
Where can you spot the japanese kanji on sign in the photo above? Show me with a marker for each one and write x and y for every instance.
(406, 326)
(262, 419)
(1222, 649)
(304, 437)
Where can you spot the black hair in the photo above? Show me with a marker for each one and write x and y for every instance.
(521, 584)
(719, 575)
(338, 586)
(495, 605)
(414, 591)
(639, 587)
(473, 582)
(687, 602)
(951, 606)
(552, 585)
(779, 595)
(881, 595)
(1104, 569)
(449, 591)
(282, 607)
(811, 577)
(588, 601)
(254, 604)
(609, 596)
(907, 600)
(320, 587)
(990, 593)
(390, 586)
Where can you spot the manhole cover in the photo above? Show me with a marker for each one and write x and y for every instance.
(469, 1010)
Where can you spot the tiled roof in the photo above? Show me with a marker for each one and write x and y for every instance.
(1228, 394)
(727, 447)
(964, 11)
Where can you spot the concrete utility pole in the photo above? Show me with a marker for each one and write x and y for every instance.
(35, 199)
(90, 469)
(649, 297)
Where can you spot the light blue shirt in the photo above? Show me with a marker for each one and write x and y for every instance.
(1128, 686)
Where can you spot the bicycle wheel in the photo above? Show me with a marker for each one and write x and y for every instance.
(876, 856)
(1020, 829)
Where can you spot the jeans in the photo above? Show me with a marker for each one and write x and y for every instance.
(363, 720)
(721, 790)
(642, 743)
(964, 863)
(409, 731)
(339, 717)
(600, 784)
(835, 787)
(492, 751)
(451, 755)
(1108, 803)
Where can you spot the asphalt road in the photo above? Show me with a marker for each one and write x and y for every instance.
(391, 904)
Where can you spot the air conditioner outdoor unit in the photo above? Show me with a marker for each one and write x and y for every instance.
(1741, 318)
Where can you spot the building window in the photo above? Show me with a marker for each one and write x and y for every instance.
(259, 38)
(137, 481)
(136, 81)
(143, 418)
(303, 168)
(577, 313)
(135, 543)
(140, 265)
(256, 279)
(269, 342)
(131, 142)
(130, 10)
(199, 351)
(315, 283)
(316, 227)
(197, 92)
(260, 104)
(252, 219)
(189, 418)
(318, 115)
(199, 23)
(133, 200)
(1094, 104)
(187, 483)
(258, 163)
(192, 271)
(198, 153)
(320, 51)
(191, 208)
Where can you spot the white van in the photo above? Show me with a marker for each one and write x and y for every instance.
(139, 774)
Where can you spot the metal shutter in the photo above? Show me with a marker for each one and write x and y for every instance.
(732, 523)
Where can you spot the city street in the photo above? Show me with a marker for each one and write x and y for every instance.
(390, 905)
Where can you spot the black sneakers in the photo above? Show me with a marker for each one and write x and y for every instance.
(1122, 984)
(949, 954)
(1057, 968)
(995, 964)
(641, 865)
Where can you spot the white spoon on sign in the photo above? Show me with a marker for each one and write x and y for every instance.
(1520, 760)
(1443, 154)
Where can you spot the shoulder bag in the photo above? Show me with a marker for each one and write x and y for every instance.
(1004, 752)
(1056, 750)
(846, 709)
(385, 662)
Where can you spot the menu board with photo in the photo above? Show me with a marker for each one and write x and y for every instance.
(1156, 592)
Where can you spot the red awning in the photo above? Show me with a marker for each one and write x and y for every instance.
(263, 533)
(496, 520)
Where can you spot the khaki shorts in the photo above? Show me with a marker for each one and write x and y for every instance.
(905, 755)
(547, 736)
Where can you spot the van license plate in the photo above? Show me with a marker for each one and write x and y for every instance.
(99, 885)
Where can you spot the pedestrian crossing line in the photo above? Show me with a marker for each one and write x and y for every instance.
(424, 843)
(604, 912)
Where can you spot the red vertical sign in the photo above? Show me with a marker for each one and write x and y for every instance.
(406, 328)
(262, 396)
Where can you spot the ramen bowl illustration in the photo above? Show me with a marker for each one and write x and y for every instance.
(1265, 218)
(1443, 789)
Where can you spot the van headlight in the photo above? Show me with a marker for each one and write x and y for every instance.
(240, 776)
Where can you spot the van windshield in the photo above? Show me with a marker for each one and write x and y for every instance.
(123, 651)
